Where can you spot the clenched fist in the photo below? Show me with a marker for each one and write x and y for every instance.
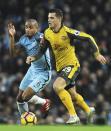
(30, 59)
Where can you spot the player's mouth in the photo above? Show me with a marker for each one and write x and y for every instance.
(29, 34)
(49, 23)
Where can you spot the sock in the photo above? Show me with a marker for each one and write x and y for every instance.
(67, 101)
(37, 100)
(22, 107)
(80, 101)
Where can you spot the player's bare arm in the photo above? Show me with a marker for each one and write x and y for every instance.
(11, 31)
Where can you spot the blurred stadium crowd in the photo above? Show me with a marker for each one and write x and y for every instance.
(94, 81)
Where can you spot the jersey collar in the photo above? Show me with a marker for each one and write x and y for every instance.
(58, 30)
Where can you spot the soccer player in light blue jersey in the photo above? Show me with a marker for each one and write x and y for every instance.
(38, 74)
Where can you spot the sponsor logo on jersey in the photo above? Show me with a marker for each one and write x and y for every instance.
(64, 37)
(76, 33)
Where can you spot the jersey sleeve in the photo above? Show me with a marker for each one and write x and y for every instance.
(84, 36)
(19, 43)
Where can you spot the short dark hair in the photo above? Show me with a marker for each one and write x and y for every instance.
(58, 12)
(34, 21)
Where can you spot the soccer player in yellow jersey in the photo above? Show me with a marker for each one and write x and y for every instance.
(59, 39)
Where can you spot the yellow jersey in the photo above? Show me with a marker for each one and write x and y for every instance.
(62, 48)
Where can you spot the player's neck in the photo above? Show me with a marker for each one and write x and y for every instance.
(31, 35)
(57, 28)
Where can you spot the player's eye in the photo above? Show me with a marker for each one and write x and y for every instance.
(52, 18)
(28, 27)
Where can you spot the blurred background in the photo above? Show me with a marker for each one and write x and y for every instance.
(94, 81)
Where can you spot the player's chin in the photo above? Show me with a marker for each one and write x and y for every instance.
(50, 25)
(28, 34)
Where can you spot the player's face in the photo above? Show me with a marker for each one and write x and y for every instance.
(30, 29)
(53, 20)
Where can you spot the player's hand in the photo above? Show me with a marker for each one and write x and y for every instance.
(11, 29)
(101, 59)
(30, 59)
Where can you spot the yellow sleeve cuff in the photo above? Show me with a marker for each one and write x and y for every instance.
(96, 54)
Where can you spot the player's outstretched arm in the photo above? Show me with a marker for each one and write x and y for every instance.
(90, 39)
(11, 31)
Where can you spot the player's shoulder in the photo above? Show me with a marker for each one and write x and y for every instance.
(47, 30)
(67, 29)
(71, 30)
(23, 37)
(39, 35)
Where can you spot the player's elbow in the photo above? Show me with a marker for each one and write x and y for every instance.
(88, 39)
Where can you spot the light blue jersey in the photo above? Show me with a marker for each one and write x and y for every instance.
(38, 74)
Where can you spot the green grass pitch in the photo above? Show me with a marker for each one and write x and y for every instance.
(54, 128)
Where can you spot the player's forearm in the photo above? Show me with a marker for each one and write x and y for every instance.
(36, 57)
(32, 58)
(12, 45)
(94, 46)
(92, 42)
(39, 54)
(41, 51)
